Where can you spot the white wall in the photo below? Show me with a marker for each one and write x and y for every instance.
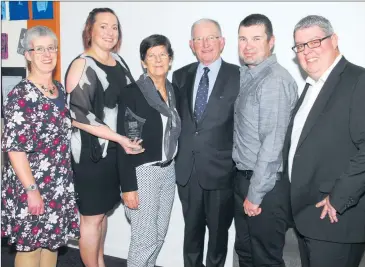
(13, 28)
(174, 20)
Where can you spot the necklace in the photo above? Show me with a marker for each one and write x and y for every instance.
(50, 89)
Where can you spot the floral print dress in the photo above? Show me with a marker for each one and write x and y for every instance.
(34, 124)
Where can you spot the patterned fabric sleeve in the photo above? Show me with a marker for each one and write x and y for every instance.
(277, 97)
(19, 125)
(83, 109)
(82, 97)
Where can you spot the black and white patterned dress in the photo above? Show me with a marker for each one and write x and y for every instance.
(94, 102)
(35, 125)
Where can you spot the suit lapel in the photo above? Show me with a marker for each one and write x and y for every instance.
(287, 141)
(189, 88)
(322, 99)
(216, 91)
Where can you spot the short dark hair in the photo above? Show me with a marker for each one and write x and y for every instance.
(89, 24)
(258, 19)
(152, 41)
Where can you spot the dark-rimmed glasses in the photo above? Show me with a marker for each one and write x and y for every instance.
(311, 44)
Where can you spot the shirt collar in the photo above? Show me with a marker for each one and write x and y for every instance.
(257, 69)
(213, 67)
(325, 75)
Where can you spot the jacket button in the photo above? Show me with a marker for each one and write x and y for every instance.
(196, 133)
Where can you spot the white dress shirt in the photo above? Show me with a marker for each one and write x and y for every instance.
(302, 114)
(212, 75)
(164, 124)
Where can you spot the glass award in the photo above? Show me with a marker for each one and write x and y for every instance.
(133, 125)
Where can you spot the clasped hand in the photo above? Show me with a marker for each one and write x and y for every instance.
(328, 209)
(35, 203)
(131, 199)
(251, 209)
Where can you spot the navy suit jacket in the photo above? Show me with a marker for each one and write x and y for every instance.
(205, 148)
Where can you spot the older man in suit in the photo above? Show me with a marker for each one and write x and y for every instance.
(325, 150)
(204, 166)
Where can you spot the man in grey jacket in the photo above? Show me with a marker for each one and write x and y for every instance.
(268, 94)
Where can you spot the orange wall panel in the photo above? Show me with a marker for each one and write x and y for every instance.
(53, 24)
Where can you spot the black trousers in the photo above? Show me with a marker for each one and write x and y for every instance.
(318, 253)
(201, 208)
(260, 239)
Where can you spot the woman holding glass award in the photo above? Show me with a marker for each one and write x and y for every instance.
(148, 111)
(94, 81)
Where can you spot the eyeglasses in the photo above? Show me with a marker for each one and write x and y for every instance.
(153, 57)
(311, 44)
(42, 49)
(209, 39)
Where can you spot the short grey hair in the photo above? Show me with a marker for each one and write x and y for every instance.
(314, 20)
(203, 21)
(35, 32)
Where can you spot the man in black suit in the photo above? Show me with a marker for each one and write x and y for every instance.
(325, 151)
(204, 166)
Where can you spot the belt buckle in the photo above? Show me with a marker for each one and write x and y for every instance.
(165, 164)
(162, 164)
(248, 173)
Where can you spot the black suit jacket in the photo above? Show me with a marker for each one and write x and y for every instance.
(330, 158)
(206, 146)
(131, 97)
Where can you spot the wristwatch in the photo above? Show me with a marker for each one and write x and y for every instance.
(32, 187)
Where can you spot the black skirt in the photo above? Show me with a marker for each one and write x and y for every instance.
(97, 184)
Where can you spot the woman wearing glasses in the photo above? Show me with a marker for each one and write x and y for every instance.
(148, 179)
(38, 204)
